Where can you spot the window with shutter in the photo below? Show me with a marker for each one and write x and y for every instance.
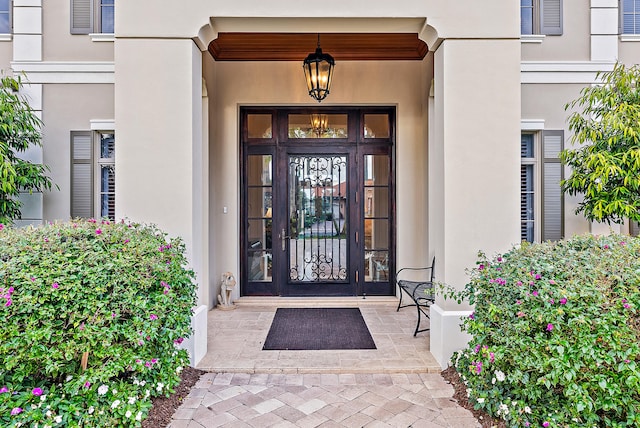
(629, 16)
(106, 164)
(552, 200)
(91, 16)
(5, 16)
(541, 17)
(81, 174)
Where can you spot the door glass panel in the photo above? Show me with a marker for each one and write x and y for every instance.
(259, 126)
(317, 126)
(318, 204)
(376, 214)
(259, 213)
(376, 126)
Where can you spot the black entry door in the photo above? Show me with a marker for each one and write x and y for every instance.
(317, 206)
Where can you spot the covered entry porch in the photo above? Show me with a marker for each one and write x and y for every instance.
(458, 122)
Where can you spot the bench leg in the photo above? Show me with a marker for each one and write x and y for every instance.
(420, 313)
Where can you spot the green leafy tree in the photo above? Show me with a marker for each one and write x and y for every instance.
(606, 164)
(19, 128)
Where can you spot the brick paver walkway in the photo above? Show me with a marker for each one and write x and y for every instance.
(321, 400)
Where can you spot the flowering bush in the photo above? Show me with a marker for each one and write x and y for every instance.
(556, 334)
(92, 315)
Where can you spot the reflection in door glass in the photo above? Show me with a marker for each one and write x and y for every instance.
(318, 206)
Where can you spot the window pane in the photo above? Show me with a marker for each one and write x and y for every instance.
(317, 126)
(107, 191)
(5, 28)
(526, 146)
(376, 202)
(259, 170)
(259, 126)
(4, 5)
(627, 5)
(376, 126)
(107, 146)
(259, 202)
(259, 234)
(376, 170)
(376, 266)
(526, 203)
(376, 234)
(106, 14)
(526, 20)
(259, 266)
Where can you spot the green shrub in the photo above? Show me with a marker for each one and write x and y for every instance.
(116, 293)
(556, 334)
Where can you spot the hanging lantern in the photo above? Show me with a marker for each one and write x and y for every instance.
(318, 71)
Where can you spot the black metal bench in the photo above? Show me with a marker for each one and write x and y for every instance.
(417, 283)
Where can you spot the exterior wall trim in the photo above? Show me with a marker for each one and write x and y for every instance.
(583, 72)
(66, 71)
(103, 124)
(532, 124)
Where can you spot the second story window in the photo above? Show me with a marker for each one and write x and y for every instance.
(630, 17)
(5, 16)
(91, 16)
(541, 17)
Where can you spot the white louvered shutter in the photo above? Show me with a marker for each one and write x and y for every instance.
(81, 174)
(552, 200)
(81, 16)
(551, 17)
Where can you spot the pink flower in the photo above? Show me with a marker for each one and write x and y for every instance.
(126, 241)
(8, 302)
(55, 285)
(621, 243)
(552, 282)
(1, 226)
(545, 424)
(499, 259)
(178, 341)
(3, 390)
(81, 328)
(492, 357)
(563, 301)
(153, 317)
(98, 231)
(87, 384)
(627, 361)
(535, 293)
(626, 306)
(32, 279)
(552, 301)
(92, 220)
(472, 316)
(606, 247)
(518, 302)
(549, 327)
(538, 276)
(154, 360)
(16, 411)
(481, 267)
(521, 314)
(479, 367)
(519, 283)
(113, 314)
(37, 392)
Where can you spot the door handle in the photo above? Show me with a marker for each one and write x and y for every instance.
(283, 238)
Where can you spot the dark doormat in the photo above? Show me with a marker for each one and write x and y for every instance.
(303, 329)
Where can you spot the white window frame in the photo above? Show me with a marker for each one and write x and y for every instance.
(90, 15)
(543, 21)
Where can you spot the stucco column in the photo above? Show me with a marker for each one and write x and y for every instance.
(160, 167)
(474, 169)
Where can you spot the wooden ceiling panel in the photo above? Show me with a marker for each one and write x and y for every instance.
(296, 46)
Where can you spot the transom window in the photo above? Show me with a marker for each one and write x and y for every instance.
(541, 17)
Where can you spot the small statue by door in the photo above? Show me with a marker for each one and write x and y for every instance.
(224, 298)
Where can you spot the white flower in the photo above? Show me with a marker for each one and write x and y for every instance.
(136, 382)
(468, 392)
(178, 370)
(58, 419)
(160, 386)
(527, 409)
(138, 416)
(114, 392)
(43, 397)
(47, 426)
(131, 400)
(143, 382)
(102, 389)
(503, 409)
(115, 404)
(493, 381)
(48, 413)
(128, 414)
(500, 376)
(480, 400)
(69, 377)
(91, 409)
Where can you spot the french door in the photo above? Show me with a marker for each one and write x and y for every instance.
(317, 201)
